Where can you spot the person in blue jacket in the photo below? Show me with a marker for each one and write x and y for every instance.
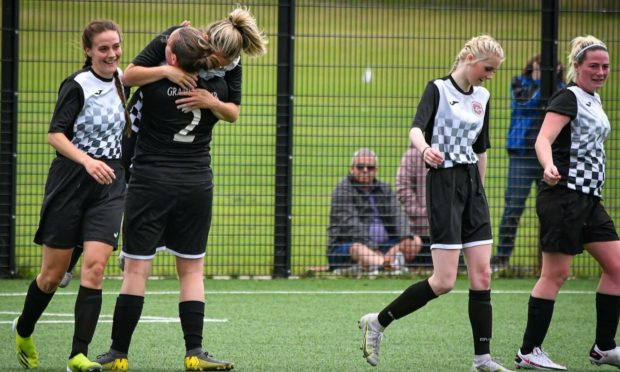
(523, 167)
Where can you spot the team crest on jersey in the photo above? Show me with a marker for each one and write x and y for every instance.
(477, 108)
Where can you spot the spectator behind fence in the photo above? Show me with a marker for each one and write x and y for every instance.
(411, 192)
(367, 227)
(523, 167)
(84, 193)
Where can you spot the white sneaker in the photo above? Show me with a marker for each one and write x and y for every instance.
(489, 365)
(372, 273)
(537, 359)
(65, 280)
(347, 271)
(599, 357)
(371, 338)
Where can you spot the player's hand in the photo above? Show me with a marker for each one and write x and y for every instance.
(100, 171)
(196, 99)
(181, 78)
(186, 23)
(551, 176)
(433, 157)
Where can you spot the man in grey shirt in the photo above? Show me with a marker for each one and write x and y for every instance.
(367, 226)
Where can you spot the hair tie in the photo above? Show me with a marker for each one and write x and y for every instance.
(589, 47)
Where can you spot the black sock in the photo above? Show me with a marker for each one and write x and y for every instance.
(75, 257)
(481, 319)
(607, 313)
(539, 313)
(87, 309)
(192, 314)
(35, 304)
(126, 316)
(413, 298)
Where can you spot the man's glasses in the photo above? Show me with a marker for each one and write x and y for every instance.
(370, 167)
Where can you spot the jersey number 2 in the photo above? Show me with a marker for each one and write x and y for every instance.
(183, 135)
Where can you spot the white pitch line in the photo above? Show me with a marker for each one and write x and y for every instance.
(104, 318)
(110, 321)
(272, 292)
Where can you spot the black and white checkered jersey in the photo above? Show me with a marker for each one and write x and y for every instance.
(135, 111)
(454, 122)
(90, 113)
(578, 151)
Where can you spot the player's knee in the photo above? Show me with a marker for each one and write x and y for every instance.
(612, 270)
(557, 278)
(94, 274)
(483, 278)
(136, 270)
(48, 282)
(561, 280)
(612, 265)
(443, 288)
(442, 285)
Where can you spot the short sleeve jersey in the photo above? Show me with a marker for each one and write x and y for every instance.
(578, 151)
(174, 146)
(454, 122)
(90, 113)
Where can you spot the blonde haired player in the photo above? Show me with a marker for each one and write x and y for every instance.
(451, 131)
(570, 148)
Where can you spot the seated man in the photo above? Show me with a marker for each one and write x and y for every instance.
(367, 226)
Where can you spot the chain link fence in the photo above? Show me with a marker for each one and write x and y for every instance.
(357, 71)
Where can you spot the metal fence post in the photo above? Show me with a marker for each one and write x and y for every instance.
(8, 136)
(549, 23)
(284, 140)
(549, 48)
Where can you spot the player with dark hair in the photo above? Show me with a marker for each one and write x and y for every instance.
(83, 194)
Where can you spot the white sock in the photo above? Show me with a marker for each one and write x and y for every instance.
(480, 359)
(605, 351)
(374, 322)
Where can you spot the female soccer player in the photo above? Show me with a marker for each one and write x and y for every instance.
(451, 131)
(83, 194)
(171, 190)
(572, 217)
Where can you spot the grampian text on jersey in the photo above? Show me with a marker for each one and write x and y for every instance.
(174, 91)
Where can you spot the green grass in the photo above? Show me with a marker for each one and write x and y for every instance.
(310, 325)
